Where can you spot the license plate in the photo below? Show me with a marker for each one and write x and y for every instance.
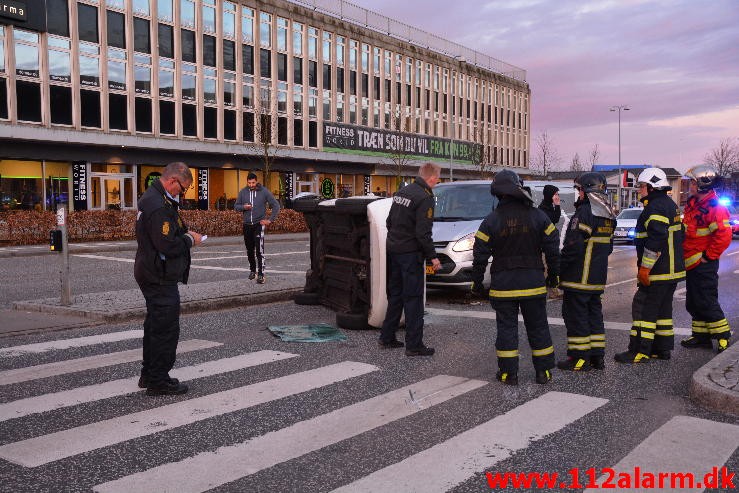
(430, 269)
(619, 233)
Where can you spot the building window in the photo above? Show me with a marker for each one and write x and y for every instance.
(229, 21)
(167, 117)
(189, 120)
(28, 99)
(265, 30)
(378, 61)
(326, 106)
(210, 122)
(210, 85)
(59, 60)
(90, 108)
(282, 67)
(248, 127)
(26, 53)
(326, 47)
(166, 78)
(365, 58)
(87, 22)
(298, 133)
(166, 41)
(60, 103)
(142, 74)
(298, 100)
(229, 125)
(247, 25)
(297, 70)
(141, 7)
(340, 51)
(165, 12)
(229, 89)
(282, 26)
(57, 17)
(297, 39)
(209, 50)
(116, 69)
(312, 43)
(89, 66)
(116, 29)
(247, 92)
(353, 49)
(187, 41)
(187, 13)
(282, 97)
(209, 17)
(142, 108)
(189, 82)
(265, 63)
(247, 59)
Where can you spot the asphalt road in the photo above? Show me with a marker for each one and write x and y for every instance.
(345, 426)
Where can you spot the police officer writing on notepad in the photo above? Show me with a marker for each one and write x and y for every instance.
(409, 245)
(162, 261)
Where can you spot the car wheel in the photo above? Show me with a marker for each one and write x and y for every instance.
(352, 321)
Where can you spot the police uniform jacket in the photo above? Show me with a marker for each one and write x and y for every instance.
(411, 220)
(515, 234)
(707, 229)
(163, 254)
(584, 257)
(659, 239)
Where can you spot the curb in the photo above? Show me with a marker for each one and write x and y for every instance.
(188, 307)
(707, 385)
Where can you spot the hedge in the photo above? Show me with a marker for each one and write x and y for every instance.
(31, 227)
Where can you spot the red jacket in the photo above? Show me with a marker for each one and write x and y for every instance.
(707, 229)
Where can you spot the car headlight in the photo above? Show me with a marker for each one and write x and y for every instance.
(465, 243)
(632, 233)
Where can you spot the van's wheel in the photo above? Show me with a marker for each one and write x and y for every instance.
(352, 321)
(307, 298)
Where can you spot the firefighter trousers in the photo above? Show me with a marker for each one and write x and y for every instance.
(651, 313)
(583, 317)
(701, 301)
(534, 311)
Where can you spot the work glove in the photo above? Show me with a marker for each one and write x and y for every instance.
(552, 281)
(643, 276)
(478, 290)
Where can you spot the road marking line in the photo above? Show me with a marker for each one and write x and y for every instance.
(552, 320)
(243, 459)
(124, 386)
(99, 361)
(684, 444)
(68, 443)
(732, 253)
(479, 448)
(104, 257)
(42, 347)
(244, 256)
(203, 267)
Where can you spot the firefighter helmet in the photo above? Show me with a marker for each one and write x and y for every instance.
(507, 182)
(592, 182)
(655, 178)
(705, 176)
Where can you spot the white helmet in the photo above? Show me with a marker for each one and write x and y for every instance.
(654, 177)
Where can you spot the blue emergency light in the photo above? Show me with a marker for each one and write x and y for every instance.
(724, 201)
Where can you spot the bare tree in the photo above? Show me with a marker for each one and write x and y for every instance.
(546, 157)
(400, 156)
(480, 155)
(265, 128)
(576, 164)
(593, 157)
(725, 158)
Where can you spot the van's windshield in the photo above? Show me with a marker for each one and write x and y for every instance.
(463, 202)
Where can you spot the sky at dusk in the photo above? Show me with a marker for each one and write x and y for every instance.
(674, 63)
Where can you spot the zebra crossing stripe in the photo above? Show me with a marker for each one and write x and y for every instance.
(90, 393)
(479, 448)
(42, 347)
(683, 445)
(67, 443)
(18, 375)
(232, 462)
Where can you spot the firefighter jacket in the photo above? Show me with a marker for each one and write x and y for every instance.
(163, 253)
(515, 234)
(587, 245)
(707, 229)
(411, 220)
(659, 239)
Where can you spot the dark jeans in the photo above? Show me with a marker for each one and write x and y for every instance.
(405, 281)
(651, 311)
(534, 311)
(161, 330)
(254, 242)
(701, 301)
(583, 316)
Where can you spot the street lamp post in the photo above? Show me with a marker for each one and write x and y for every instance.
(620, 176)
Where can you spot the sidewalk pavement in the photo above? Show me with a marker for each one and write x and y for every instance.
(714, 386)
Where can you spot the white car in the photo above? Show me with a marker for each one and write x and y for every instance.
(626, 224)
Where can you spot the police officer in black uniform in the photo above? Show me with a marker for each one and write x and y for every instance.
(409, 244)
(659, 251)
(516, 234)
(162, 260)
(583, 272)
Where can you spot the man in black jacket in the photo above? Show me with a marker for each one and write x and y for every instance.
(516, 234)
(409, 244)
(583, 271)
(162, 261)
(550, 203)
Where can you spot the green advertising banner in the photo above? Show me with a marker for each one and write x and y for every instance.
(354, 139)
(327, 188)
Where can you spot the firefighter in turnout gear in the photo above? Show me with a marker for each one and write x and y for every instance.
(516, 234)
(659, 250)
(707, 236)
(583, 271)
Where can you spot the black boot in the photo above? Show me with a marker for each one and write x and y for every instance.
(723, 344)
(693, 342)
(574, 364)
(631, 357)
(597, 362)
(661, 355)
(543, 376)
(509, 378)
